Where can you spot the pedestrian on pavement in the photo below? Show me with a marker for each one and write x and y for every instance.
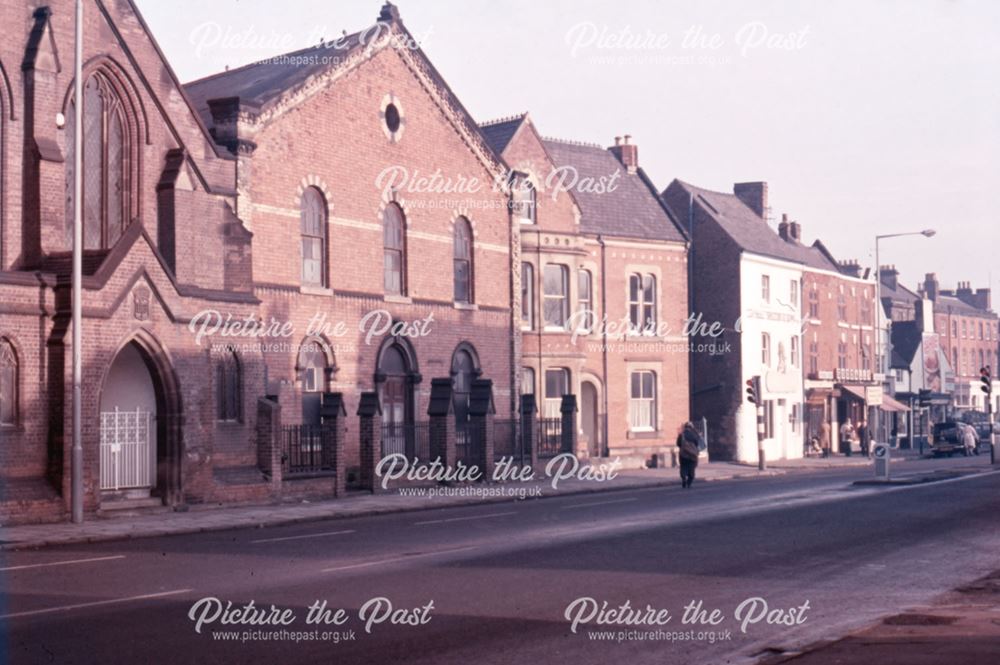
(847, 435)
(824, 438)
(968, 434)
(864, 438)
(687, 452)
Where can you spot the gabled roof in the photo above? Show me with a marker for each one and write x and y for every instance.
(631, 209)
(752, 233)
(906, 340)
(498, 133)
(261, 84)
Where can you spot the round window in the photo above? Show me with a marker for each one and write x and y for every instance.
(392, 118)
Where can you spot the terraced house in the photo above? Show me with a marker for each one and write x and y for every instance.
(603, 290)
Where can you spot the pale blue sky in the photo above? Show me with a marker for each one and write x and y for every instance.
(881, 116)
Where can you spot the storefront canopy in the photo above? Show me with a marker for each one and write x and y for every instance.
(890, 404)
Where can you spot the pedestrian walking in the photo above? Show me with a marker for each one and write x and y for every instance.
(968, 434)
(864, 438)
(824, 438)
(688, 444)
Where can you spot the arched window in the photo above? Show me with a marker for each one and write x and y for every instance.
(463, 261)
(228, 386)
(524, 201)
(312, 366)
(104, 165)
(314, 216)
(463, 371)
(394, 241)
(8, 383)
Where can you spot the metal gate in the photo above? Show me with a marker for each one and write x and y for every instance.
(126, 453)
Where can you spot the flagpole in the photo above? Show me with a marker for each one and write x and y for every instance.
(77, 459)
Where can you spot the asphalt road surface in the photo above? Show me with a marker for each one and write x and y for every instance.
(492, 583)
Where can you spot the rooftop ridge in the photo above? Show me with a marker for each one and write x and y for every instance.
(503, 120)
(583, 144)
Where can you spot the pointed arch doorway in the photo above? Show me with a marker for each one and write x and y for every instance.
(140, 426)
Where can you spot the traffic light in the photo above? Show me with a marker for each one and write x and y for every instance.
(925, 397)
(986, 379)
(753, 390)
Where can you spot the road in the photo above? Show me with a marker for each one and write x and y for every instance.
(501, 576)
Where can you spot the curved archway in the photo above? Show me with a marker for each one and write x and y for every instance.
(314, 368)
(395, 376)
(465, 368)
(140, 389)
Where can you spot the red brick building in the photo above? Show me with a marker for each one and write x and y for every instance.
(967, 328)
(603, 290)
(200, 215)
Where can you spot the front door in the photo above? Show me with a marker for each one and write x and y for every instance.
(396, 435)
(128, 425)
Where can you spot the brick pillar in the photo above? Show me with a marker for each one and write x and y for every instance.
(269, 448)
(334, 416)
(370, 439)
(568, 411)
(441, 411)
(528, 436)
(481, 414)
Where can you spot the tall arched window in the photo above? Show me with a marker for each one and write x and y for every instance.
(314, 253)
(312, 366)
(463, 261)
(8, 383)
(394, 241)
(228, 386)
(104, 165)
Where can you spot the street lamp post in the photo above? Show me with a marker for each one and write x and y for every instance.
(927, 233)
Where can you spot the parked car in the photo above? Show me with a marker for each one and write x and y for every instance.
(946, 439)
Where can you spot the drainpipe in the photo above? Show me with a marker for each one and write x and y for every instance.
(76, 463)
(604, 345)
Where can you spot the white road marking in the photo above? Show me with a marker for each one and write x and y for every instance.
(367, 564)
(308, 535)
(97, 603)
(465, 519)
(63, 563)
(598, 503)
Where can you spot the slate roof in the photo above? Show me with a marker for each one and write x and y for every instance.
(752, 234)
(262, 83)
(899, 294)
(498, 133)
(958, 305)
(632, 209)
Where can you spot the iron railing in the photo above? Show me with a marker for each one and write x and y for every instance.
(410, 439)
(549, 436)
(307, 449)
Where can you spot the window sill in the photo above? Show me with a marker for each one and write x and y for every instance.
(315, 290)
(643, 434)
(228, 424)
(466, 306)
(402, 300)
(554, 330)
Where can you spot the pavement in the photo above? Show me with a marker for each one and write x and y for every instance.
(394, 500)
(961, 627)
(217, 517)
(498, 582)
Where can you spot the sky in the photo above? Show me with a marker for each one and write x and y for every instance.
(865, 117)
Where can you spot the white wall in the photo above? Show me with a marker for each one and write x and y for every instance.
(782, 320)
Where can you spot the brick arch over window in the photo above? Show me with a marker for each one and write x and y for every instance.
(114, 126)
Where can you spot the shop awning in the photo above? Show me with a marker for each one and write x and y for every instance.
(890, 404)
(858, 393)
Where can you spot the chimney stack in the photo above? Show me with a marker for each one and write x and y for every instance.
(931, 286)
(795, 231)
(850, 267)
(754, 195)
(783, 228)
(889, 276)
(626, 152)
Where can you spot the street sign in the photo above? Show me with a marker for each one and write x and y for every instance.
(881, 455)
